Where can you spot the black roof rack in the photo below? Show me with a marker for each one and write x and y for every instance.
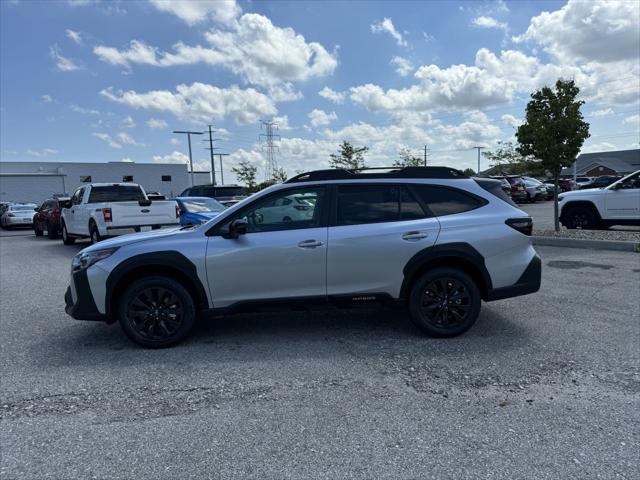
(378, 172)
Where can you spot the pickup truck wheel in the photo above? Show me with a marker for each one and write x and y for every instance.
(66, 239)
(156, 312)
(37, 230)
(94, 233)
(582, 218)
(444, 302)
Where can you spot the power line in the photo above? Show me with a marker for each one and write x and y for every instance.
(269, 147)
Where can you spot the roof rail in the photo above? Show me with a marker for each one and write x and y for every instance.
(378, 172)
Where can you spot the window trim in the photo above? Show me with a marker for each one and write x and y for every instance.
(216, 230)
(333, 222)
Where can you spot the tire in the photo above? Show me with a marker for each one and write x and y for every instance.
(36, 230)
(94, 234)
(438, 319)
(581, 218)
(153, 327)
(66, 239)
(52, 232)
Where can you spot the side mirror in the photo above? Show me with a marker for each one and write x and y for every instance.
(144, 203)
(238, 227)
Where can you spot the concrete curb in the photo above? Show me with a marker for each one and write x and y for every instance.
(617, 245)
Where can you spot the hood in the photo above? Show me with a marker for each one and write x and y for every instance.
(135, 238)
(576, 193)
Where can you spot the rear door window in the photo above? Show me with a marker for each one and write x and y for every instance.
(359, 204)
(447, 201)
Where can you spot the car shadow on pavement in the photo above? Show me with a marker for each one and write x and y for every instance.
(293, 335)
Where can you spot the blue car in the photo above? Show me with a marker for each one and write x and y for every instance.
(197, 210)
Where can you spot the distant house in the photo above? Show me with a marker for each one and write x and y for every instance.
(619, 162)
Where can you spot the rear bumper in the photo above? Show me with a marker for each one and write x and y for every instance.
(84, 307)
(529, 282)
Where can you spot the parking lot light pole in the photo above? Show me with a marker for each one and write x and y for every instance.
(188, 134)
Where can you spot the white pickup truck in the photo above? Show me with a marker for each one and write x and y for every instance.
(99, 210)
(617, 204)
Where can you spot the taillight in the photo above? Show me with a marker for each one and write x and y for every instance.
(177, 211)
(523, 225)
(55, 211)
(107, 215)
(301, 207)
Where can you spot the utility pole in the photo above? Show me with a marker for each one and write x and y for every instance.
(221, 171)
(478, 148)
(188, 134)
(425, 155)
(269, 147)
(212, 174)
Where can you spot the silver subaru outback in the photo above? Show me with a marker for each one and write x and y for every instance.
(428, 238)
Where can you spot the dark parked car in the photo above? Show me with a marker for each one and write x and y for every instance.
(601, 182)
(223, 194)
(518, 188)
(47, 218)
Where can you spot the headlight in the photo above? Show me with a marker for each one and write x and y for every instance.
(86, 259)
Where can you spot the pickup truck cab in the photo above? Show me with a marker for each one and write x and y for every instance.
(100, 210)
(617, 204)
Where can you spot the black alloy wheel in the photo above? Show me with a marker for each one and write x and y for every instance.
(444, 302)
(581, 218)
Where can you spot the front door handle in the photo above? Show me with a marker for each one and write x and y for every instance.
(310, 244)
(412, 236)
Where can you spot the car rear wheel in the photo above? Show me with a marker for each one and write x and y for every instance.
(37, 230)
(156, 312)
(66, 239)
(581, 218)
(444, 302)
(52, 232)
(94, 233)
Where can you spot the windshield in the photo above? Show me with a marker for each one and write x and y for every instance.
(201, 205)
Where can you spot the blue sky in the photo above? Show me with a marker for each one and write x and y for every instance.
(91, 80)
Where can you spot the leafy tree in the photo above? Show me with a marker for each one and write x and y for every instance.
(506, 155)
(554, 131)
(348, 156)
(246, 174)
(469, 172)
(408, 159)
(280, 175)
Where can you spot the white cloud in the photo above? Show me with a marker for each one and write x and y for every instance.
(601, 113)
(386, 26)
(126, 139)
(632, 120)
(47, 99)
(595, 30)
(285, 92)
(63, 64)
(283, 122)
(128, 122)
(174, 157)
(599, 147)
(74, 36)
(320, 118)
(105, 137)
(175, 141)
(332, 95)
(157, 123)
(84, 111)
(198, 11)
(403, 66)
(200, 102)
(489, 22)
(252, 48)
(511, 121)
(475, 130)
(45, 152)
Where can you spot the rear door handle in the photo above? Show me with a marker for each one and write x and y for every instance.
(412, 236)
(310, 244)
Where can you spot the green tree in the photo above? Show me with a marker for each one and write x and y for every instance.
(507, 156)
(554, 131)
(408, 159)
(348, 156)
(469, 172)
(280, 175)
(246, 174)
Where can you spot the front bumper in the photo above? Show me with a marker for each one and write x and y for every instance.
(84, 307)
(529, 282)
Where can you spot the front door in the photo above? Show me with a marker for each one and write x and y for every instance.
(375, 232)
(623, 202)
(282, 255)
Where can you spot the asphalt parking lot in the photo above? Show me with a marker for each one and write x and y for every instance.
(544, 386)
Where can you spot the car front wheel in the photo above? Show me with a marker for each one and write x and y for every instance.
(156, 312)
(444, 302)
(582, 218)
(66, 239)
(37, 230)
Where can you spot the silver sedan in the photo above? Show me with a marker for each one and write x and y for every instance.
(18, 215)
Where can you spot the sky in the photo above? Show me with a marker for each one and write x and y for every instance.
(98, 81)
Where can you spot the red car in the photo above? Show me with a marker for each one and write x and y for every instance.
(47, 218)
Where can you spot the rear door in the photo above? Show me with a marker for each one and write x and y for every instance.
(374, 231)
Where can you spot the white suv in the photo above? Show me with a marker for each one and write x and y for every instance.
(429, 238)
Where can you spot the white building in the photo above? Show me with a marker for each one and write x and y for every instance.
(36, 181)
